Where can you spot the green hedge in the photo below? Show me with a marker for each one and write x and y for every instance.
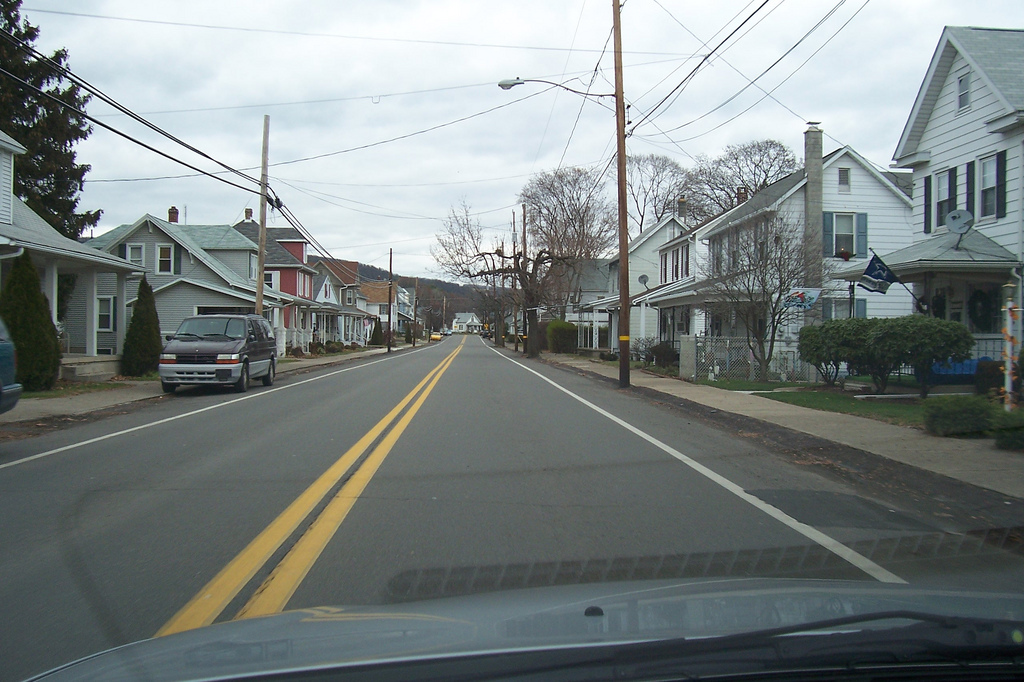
(1008, 428)
(988, 377)
(561, 336)
(958, 415)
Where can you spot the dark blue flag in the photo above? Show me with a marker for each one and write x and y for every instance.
(877, 277)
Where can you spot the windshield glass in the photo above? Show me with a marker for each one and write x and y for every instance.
(231, 327)
(370, 331)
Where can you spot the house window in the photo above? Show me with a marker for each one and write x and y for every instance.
(327, 289)
(843, 234)
(254, 266)
(382, 309)
(135, 254)
(272, 279)
(963, 84)
(105, 314)
(675, 264)
(988, 186)
(164, 259)
(942, 202)
(844, 180)
(664, 268)
(348, 296)
(686, 260)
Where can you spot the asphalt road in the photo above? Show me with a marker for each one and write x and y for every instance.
(434, 472)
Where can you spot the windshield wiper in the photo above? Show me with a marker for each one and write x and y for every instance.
(181, 334)
(206, 336)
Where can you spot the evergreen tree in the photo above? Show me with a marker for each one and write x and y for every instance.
(27, 314)
(408, 333)
(46, 177)
(377, 336)
(142, 342)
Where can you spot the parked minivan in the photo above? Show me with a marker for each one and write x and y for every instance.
(10, 389)
(219, 349)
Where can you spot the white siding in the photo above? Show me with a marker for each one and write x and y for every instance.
(6, 187)
(237, 261)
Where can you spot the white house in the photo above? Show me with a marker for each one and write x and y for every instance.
(466, 323)
(964, 142)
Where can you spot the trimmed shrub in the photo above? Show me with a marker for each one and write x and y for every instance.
(142, 341)
(316, 348)
(377, 335)
(988, 377)
(958, 415)
(664, 355)
(818, 347)
(1008, 428)
(641, 348)
(27, 315)
(334, 347)
(561, 336)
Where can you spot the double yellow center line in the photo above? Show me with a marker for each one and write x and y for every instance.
(285, 578)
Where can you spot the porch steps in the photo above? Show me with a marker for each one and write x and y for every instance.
(86, 368)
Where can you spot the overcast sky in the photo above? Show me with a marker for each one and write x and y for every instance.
(337, 75)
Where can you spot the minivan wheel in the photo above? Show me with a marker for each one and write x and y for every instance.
(268, 378)
(168, 388)
(242, 385)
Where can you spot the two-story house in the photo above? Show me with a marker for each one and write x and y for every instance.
(338, 318)
(964, 142)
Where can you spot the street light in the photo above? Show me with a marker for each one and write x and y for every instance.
(620, 135)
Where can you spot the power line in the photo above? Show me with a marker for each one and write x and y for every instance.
(123, 134)
(685, 80)
(311, 34)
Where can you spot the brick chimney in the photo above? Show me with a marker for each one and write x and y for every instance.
(741, 195)
(813, 204)
(172, 214)
(681, 207)
(248, 215)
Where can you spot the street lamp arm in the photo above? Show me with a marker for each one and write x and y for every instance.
(510, 83)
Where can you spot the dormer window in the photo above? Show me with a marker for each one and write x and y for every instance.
(963, 85)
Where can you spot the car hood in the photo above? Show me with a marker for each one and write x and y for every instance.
(203, 346)
(519, 620)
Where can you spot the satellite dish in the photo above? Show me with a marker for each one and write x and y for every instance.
(643, 279)
(959, 221)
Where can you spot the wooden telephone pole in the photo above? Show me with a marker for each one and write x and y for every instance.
(261, 256)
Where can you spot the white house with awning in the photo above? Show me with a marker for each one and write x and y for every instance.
(94, 324)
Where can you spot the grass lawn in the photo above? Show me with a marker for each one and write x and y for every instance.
(904, 412)
(68, 388)
(904, 380)
(744, 385)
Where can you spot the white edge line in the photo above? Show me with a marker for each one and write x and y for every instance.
(166, 420)
(826, 541)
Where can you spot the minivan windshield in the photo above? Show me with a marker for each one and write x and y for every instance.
(231, 327)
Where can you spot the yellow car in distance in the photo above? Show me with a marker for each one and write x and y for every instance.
(435, 336)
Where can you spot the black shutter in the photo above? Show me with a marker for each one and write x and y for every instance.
(952, 190)
(1001, 184)
(928, 204)
(969, 180)
(177, 259)
(113, 313)
(122, 250)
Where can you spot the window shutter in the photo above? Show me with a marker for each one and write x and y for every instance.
(969, 179)
(1001, 184)
(177, 259)
(122, 250)
(860, 308)
(827, 240)
(861, 236)
(952, 188)
(826, 309)
(113, 313)
(927, 204)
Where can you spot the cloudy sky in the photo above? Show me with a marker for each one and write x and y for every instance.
(385, 114)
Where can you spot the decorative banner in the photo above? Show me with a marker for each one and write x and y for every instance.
(802, 299)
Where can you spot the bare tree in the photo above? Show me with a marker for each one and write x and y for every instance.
(712, 183)
(654, 183)
(749, 273)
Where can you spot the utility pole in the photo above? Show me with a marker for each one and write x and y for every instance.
(620, 134)
(526, 331)
(261, 256)
(444, 311)
(515, 276)
(391, 307)
(415, 297)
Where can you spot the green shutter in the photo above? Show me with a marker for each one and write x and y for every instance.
(861, 236)
(177, 259)
(827, 240)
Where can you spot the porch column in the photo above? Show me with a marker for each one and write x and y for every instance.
(121, 312)
(50, 288)
(87, 280)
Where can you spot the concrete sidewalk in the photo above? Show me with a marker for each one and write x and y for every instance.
(33, 409)
(977, 462)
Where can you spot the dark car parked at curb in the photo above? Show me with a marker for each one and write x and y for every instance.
(11, 389)
(219, 349)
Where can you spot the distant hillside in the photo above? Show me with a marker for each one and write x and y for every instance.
(434, 294)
